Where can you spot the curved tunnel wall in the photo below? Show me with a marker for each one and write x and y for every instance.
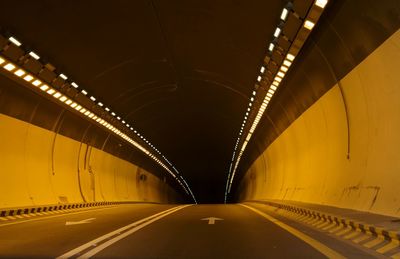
(39, 166)
(309, 161)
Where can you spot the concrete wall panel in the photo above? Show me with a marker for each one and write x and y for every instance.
(13, 184)
(38, 153)
(38, 167)
(65, 174)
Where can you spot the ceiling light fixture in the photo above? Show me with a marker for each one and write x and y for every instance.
(309, 25)
(34, 55)
(15, 41)
(9, 67)
(284, 14)
(28, 78)
(271, 47)
(290, 57)
(287, 63)
(277, 32)
(44, 87)
(321, 3)
(19, 72)
(57, 95)
(37, 82)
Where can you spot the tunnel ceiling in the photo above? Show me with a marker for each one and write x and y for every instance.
(181, 72)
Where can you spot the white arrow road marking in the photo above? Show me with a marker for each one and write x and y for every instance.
(211, 220)
(85, 221)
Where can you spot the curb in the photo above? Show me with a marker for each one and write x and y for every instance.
(384, 241)
(23, 211)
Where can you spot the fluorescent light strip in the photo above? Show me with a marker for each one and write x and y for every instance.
(309, 24)
(28, 78)
(321, 3)
(19, 72)
(273, 87)
(34, 55)
(284, 14)
(277, 32)
(287, 63)
(9, 67)
(290, 57)
(15, 41)
(36, 82)
(271, 47)
(44, 87)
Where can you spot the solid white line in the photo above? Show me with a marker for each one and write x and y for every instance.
(127, 233)
(135, 226)
(307, 239)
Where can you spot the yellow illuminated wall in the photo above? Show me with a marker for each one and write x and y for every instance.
(39, 167)
(308, 162)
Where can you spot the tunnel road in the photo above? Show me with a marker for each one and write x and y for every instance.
(168, 231)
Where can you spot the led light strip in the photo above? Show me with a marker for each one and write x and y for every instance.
(32, 80)
(237, 154)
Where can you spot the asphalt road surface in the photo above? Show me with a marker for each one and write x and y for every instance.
(168, 231)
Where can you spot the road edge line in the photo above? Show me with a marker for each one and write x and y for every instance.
(325, 250)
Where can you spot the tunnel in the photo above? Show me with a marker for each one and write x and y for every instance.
(200, 129)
